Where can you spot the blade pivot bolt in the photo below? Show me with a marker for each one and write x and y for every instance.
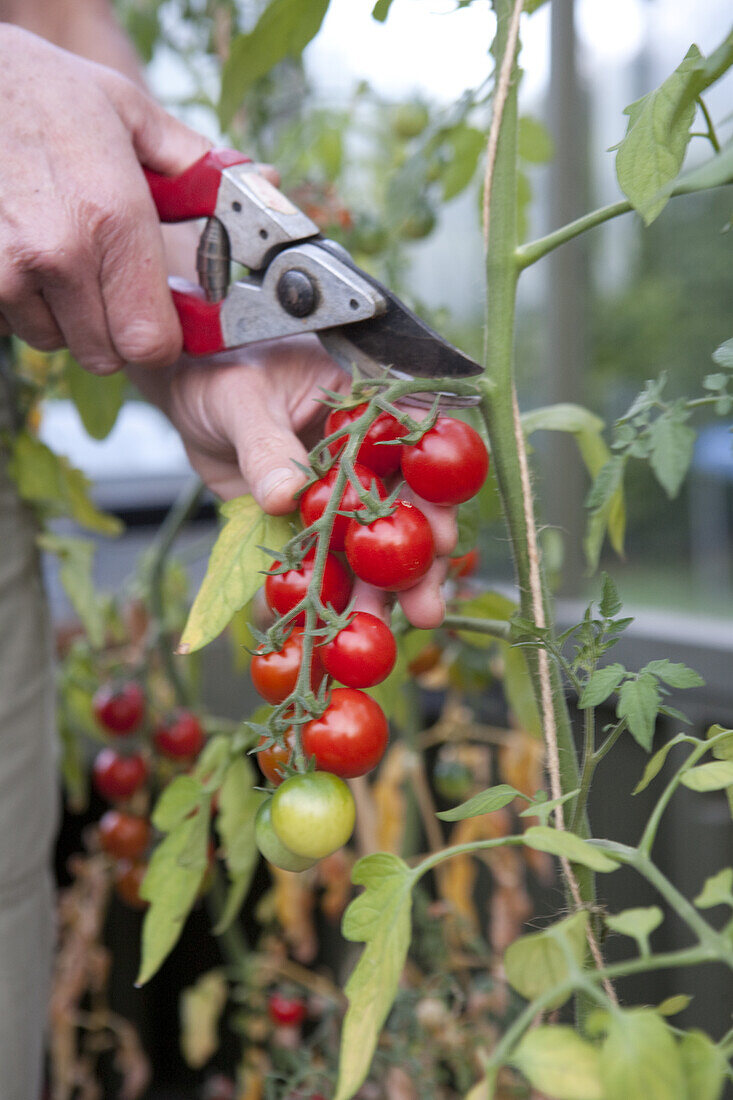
(296, 293)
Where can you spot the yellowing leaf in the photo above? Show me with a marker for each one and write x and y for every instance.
(639, 1058)
(556, 1061)
(201, 1006)
(235, 569)
(535, 963)
(380, 916)
(560, 843)
(235, 823)
(76, 560)
(704, 1066)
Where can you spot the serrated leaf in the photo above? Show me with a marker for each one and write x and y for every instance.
(651, 153)
(201, 1006)
(675, 674)
(76, 563)
(717, 890)
(284, 29)
(672, 445)
(559, 1063)
(235, 569)
(537, 962)
(466, 145)
(610, 603)
(602, 683)
(380, 917)
(609, 517)
(709, 777)
(562, 843)
(534, 141)
(723, 355)
(182, 795)
(638, 703)
(494, 798)
(656, 763)
(637, 923)
(49, 481)
(98, 398)
(704, 1066)
(174, 875)
(639, 1058)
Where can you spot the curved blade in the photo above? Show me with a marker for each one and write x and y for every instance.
(396, 340)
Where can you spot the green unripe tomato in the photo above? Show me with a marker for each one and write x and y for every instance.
(409, 120)
(272, 847)
(419, 223)
(452, 779)
(313, 814)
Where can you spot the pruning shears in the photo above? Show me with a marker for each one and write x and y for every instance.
(298, 281)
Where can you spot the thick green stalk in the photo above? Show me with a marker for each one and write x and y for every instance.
(498, 397)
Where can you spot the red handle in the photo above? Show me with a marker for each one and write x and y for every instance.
(200, 320)
(192, 194)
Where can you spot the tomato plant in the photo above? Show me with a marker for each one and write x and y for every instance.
(117, 777)
(350, 737)
(313, 814)
(119, 708)
(448, 465)
(362, 653)
(316, 497)
(284, 1010)
(273, 848)
(378, 451)
(274, 757)
(181, 735)
(284, 591)
(128, 879)
(275, 674)
(124, 836)
(393, 552)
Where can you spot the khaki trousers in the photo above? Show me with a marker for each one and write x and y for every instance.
(28, 796)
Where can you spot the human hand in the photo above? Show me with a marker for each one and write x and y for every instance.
(83, 261)
(246, 418)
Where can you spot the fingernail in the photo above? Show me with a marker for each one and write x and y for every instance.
(275, 480)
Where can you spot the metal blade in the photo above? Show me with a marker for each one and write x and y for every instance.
(396, 340)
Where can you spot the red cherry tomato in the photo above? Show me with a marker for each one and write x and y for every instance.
(394, 552)
(128, 879)
(119, 708)
(275, 675)
(464, 565)
(362, 654)
(350, 737)
(273, 758)
(123, 835)
(117, 777)
(316, 497)
(285, 1011)
(375, 452)
(448, 465)
(284, 591)
(181, 735)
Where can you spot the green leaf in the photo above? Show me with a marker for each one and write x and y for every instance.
(610, 603)
(706, 71)
(380, 917)
(675, 674)
(602, 683)
(200, 1009)
(704, 1066)
(380, 11)
(519, 691)
(637, 923)
(717, 890)
(723, 355)
(610, 514)
(235, 823)
(656, 763)
(670, 1006)
(534, 964)
(494, 798)
(76, 562)
(639, 1058)
(74, 769)
(557, 1062)
(709, 777)
(284, 29)
(466, 145)
(653, 149)
(723, 750)
(557, 843)
(638, 703)
(672, 444)
(544, 809)
(535, 143)
(562, 417)
(98, 398)
(182, 796)
(173, 878)
(50, 482)
(235, 569)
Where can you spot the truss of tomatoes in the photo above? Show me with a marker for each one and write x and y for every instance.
(312, 814)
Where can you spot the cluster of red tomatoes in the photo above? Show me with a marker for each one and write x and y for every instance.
(312, 814)
(119, 774)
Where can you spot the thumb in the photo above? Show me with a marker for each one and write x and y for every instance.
(160, 141)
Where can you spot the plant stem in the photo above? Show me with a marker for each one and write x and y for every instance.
(650, 832)
(184, 507)
(710, 135)
(496, 628)
(589, 766)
